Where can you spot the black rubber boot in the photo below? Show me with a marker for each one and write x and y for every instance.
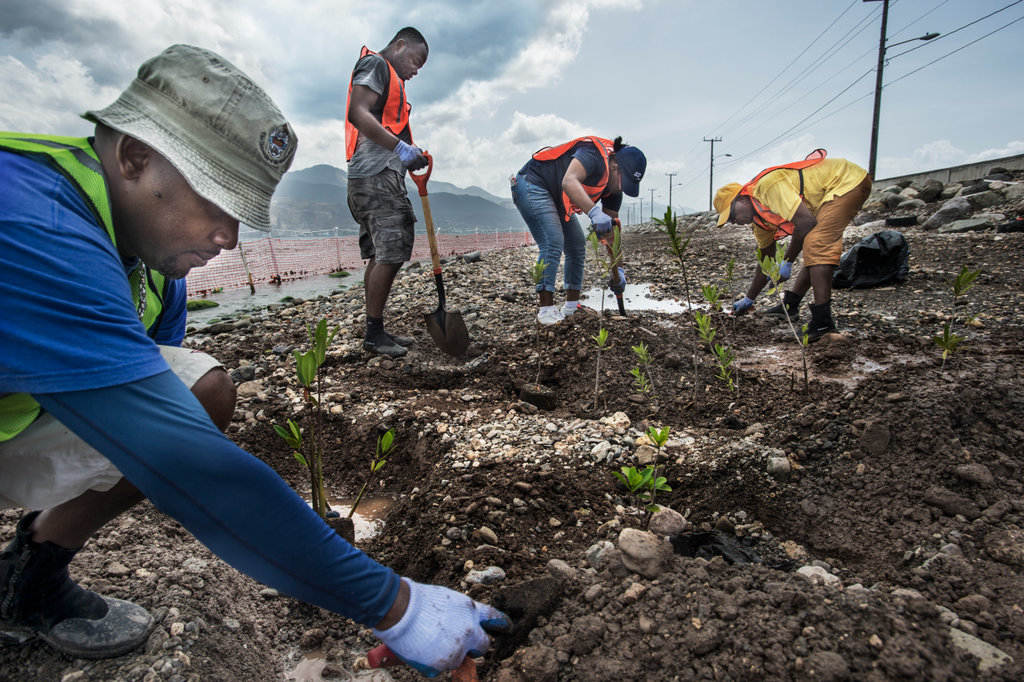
(821, 321)
(39, 599)
(790, 305)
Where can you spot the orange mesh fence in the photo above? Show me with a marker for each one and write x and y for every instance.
(270, 260)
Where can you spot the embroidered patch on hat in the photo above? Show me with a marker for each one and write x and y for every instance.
(276, 144)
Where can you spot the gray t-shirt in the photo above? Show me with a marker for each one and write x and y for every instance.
(369, 157)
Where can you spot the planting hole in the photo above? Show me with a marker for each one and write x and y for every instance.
(370, 514)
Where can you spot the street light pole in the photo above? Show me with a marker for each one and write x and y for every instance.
(873, 157)
(652, 203)
(711, 180)
(670, 176)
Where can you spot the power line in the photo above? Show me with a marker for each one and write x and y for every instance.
(958, 49)
(739, 158)
(957, 30)
(785, 68)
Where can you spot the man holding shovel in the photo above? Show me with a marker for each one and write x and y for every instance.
(96, 411)
(379, 150)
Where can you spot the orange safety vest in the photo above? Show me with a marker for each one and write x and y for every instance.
(606, 147)
(395, 113)
(765, 218)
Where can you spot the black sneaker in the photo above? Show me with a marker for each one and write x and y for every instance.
(778, 312)
(405, 341)
(39, 599)
(385, 346)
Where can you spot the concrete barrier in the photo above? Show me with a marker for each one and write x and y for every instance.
(968, 171)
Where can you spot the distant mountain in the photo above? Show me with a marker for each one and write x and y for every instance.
(315, 201)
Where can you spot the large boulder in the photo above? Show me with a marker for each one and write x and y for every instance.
(954, 209)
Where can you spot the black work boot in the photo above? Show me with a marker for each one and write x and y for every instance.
(39, 599)
(821, 321)
(790, 306)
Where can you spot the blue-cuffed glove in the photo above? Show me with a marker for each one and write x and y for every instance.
(412, 157)
(785, 270)
(440, 628)
(601, 221)
(741, 306)
(617, 286)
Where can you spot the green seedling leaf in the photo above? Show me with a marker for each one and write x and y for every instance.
(659, 436)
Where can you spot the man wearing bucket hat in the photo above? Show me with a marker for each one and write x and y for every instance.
(589, 174)
(96, 411)
(813, 201)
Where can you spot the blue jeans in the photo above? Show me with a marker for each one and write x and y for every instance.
(553, 236)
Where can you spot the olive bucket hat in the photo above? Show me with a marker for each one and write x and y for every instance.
(213, 124)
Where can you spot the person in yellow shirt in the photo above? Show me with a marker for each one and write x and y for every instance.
(812, 201)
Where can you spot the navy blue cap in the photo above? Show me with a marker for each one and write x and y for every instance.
(632, 165)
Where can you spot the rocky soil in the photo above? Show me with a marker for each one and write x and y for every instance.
(868, 525)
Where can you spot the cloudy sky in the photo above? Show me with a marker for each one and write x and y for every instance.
(774, 80)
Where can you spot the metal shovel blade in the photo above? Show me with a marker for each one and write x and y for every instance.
(448, 330)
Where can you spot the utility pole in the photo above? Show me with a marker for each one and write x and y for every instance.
(652, 204)
(641, 210)
(670, 176)
(873, 156)
(711, 174)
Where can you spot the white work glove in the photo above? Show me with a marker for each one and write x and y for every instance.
(412, 157)
(601, 221)
(440, 628)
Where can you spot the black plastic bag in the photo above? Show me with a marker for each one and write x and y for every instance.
(877, 259)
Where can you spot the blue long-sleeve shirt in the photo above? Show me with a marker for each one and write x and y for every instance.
(70, 337)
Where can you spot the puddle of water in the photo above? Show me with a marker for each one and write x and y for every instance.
(370, 514)
(790, 359)
(635, 297)
(235, 301)
(309, 667)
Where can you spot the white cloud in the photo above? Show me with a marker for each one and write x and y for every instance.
(47, 97)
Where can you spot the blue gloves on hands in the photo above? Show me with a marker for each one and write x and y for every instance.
(440, 628)
(741, 306)
(785, 270)
(412, 157)
(617, 286)
(601, 221)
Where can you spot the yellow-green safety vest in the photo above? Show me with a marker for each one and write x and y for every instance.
(76, 160)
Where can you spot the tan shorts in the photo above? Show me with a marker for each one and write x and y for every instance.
(46, 464)
(823, 245)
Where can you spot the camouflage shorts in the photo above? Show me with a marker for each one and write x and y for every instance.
(380, 204)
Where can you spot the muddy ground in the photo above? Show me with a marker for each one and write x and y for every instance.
(884, 499)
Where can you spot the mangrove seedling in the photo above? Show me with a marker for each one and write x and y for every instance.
(642, 378)
(770, 266)
(385, 444)
(601, 340)
(723, 353)
(537, 274)
(679, 243)
(949, 341)
(309, 452)
(645, 484)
